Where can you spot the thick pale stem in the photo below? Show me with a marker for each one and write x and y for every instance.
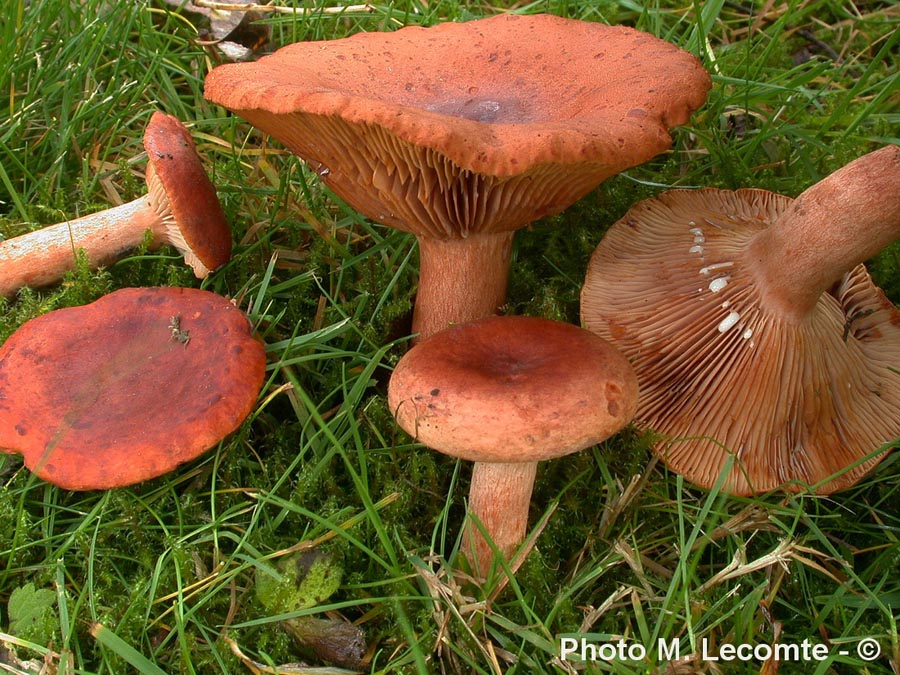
(42, 257)
(460, 280)
(833, 226)
(499, 497)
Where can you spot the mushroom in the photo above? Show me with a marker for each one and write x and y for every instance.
(128, 387)
(180, 209)
(462, 133)
(763, 349)
(507, 392)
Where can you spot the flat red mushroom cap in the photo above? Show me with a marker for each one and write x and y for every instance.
(128, 387)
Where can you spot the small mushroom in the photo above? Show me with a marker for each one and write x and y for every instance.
(756, 333)
(506, 393)
(128, 387)
(462, 133)
(180, 209)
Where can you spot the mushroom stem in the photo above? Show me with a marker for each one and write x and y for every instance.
(460, 280)
(499, 497)
(41, 257)
(818, 239)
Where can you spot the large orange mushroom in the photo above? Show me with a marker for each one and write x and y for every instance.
(128, 387)
(180, 209)
(762, 347)
(464, 132)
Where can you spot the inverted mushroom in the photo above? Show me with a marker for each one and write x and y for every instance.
(128, 387)
(756, 333)
(464, 132)
(506, 393)
(180, 209)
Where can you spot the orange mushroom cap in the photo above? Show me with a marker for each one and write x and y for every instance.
(512, 389)
(756, 334)
(480, 126)
(128, 387)
(180, 191)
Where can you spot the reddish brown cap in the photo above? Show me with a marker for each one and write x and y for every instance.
(182, 194)
(730, 370)
(128, 387)
(470, 127)
(512, 389)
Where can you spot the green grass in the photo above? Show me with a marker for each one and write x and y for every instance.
(161, 576)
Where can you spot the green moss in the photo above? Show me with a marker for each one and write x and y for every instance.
(299, 581)
(885, 271)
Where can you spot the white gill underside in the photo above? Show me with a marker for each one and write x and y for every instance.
(173, 235)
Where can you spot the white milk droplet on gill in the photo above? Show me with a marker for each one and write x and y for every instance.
(729, 321)
(718, 266)
(717, 285)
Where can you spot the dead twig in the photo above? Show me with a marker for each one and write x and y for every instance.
(276, 9)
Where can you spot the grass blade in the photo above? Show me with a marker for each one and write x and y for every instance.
(125, 651)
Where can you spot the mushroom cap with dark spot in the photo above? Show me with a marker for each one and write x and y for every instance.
(128, 387)
(461, 128)
(724, 379)
(512, 389)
